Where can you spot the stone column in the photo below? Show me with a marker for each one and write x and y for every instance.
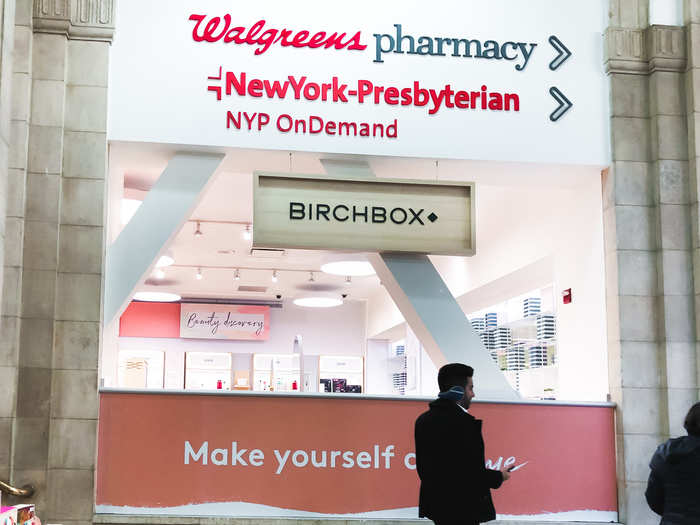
(666, 48)
(629, 222)
(647, 225)
(60, 270)
(10, 229)
(689, 377)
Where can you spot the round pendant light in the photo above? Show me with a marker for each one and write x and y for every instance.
(157, 297)
(318, 302)
(352, 265)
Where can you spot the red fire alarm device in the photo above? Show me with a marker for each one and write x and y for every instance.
(566, 296)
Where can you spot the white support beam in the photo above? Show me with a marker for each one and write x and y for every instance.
(437, 319)
(160, 217)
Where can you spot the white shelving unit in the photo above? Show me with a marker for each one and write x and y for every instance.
(141, 369)
(276, 372)
(345, 373)
(204, 370)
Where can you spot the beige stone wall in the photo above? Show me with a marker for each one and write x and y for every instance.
(10, 232)
(54, 255)
(650, 223)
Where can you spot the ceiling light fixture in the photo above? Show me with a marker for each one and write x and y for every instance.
(157, 297)
(247, 234)
(318, 302)
(348, 264)
(274, 276)
(165, 260)
(237, 275)
(199, 274)
(160, 274)
(348, 280)
(198, 231)
(311, 277)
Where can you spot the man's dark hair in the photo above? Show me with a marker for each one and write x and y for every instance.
(454, 374)
(692, 420)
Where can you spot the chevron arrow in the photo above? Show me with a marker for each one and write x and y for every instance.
(563, 51)
(564, 104)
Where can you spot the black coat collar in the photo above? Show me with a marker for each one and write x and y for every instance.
(447, 404)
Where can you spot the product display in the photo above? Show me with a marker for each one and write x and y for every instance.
(325, 385)
(347, 373)
(277, 373)
(207, 371)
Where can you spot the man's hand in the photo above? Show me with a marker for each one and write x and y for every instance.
(505, 473)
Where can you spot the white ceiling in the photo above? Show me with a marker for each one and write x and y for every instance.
(226, 207)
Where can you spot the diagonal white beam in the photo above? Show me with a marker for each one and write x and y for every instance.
(165, 209)
(437, 319)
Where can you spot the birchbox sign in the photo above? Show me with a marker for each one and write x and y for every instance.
(220, 321)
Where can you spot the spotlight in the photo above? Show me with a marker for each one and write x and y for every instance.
(165, 260)
(274, 276)
(311, 277)
(247, 234)
(348, 280)
(160, 274)
(199, 274)
(198, 231)
(237, 275)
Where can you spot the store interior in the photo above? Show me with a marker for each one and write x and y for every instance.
(534, 290)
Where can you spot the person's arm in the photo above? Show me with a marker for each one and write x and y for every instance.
(494, 478)
(655, 486)
(488, 478)
(428, 460)
(655, 493)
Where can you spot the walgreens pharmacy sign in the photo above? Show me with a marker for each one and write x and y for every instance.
(220, 29)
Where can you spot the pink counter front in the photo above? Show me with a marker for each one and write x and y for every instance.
(242, 454)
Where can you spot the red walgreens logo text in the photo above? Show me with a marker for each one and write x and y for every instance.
(211, 32)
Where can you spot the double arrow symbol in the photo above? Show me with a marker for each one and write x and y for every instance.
(562, 56)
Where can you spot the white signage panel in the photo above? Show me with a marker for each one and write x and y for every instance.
(503, 80)
(311, 212)
(220, 321)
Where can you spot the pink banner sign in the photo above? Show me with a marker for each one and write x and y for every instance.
(310, 457)
(219, 321)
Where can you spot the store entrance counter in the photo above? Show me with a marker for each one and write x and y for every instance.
(266, 454)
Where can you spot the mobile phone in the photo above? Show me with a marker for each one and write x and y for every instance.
(516, 467)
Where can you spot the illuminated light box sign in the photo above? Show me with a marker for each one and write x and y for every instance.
(216, 321)
(265, 455)
(311, 212)
(503, 80)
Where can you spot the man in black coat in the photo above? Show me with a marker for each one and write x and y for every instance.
(673, 490)
(455, 483)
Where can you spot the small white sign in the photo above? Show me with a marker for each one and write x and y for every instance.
(217, 321)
